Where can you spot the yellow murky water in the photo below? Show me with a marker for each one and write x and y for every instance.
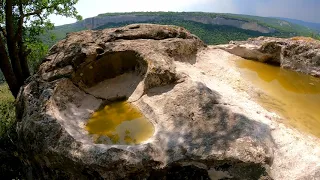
(293, 95)
(119, 123)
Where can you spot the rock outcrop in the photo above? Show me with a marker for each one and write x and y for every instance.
(197, 135)
(298, 54)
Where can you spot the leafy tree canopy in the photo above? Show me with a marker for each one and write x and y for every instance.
(21, 24)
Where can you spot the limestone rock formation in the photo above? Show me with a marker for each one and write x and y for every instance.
(298, 54)
(197, 134)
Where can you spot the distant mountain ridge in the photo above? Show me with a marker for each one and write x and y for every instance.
(314, 26)
(102, 19)
(202, 24)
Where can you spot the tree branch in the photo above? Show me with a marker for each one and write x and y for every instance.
(36, 12)
(39, 11)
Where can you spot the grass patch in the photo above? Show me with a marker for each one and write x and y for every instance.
(7, 108)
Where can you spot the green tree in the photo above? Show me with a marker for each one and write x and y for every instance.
(21, 23)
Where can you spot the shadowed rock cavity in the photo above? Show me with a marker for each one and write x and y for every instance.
(112, 75)
(110, 65)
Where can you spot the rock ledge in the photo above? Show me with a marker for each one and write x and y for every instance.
(299, 53)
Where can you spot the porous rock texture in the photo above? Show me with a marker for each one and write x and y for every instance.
(197, 135)
(299, 53)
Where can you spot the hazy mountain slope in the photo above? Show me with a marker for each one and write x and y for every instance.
(264, 22)
(315, 26)
(210, 34)
(280, 25)
(262, 25)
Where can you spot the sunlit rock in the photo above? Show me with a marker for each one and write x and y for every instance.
(299, 53)
(196, 134)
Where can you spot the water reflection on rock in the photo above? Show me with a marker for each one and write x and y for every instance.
(293, 95)
(119, 123)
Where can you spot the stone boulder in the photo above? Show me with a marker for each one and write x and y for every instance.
(197, 135)
(299, 53)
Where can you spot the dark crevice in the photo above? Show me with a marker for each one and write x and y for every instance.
(273, 62)
(99, 51)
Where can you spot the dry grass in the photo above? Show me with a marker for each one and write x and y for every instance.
(7, 109)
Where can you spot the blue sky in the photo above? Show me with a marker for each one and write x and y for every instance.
(307, 10)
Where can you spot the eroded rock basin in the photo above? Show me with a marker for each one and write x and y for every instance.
(119, 123)
(205, 120)
(293, 95)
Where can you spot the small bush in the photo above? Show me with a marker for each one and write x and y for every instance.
(7, 109)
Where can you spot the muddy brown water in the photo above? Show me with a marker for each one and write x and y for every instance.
(119, 123)
(292, 95)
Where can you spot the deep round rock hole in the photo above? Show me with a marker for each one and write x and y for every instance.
(110, 65)
(113, 76)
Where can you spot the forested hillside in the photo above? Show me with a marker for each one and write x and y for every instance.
(202, 24)
(281, 26)
(314, 26)
(210, 34)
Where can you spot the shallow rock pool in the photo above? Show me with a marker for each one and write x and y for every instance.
(294, 96)
(119, 123)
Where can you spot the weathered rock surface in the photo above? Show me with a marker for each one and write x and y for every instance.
(197, 135)
(298, 54)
